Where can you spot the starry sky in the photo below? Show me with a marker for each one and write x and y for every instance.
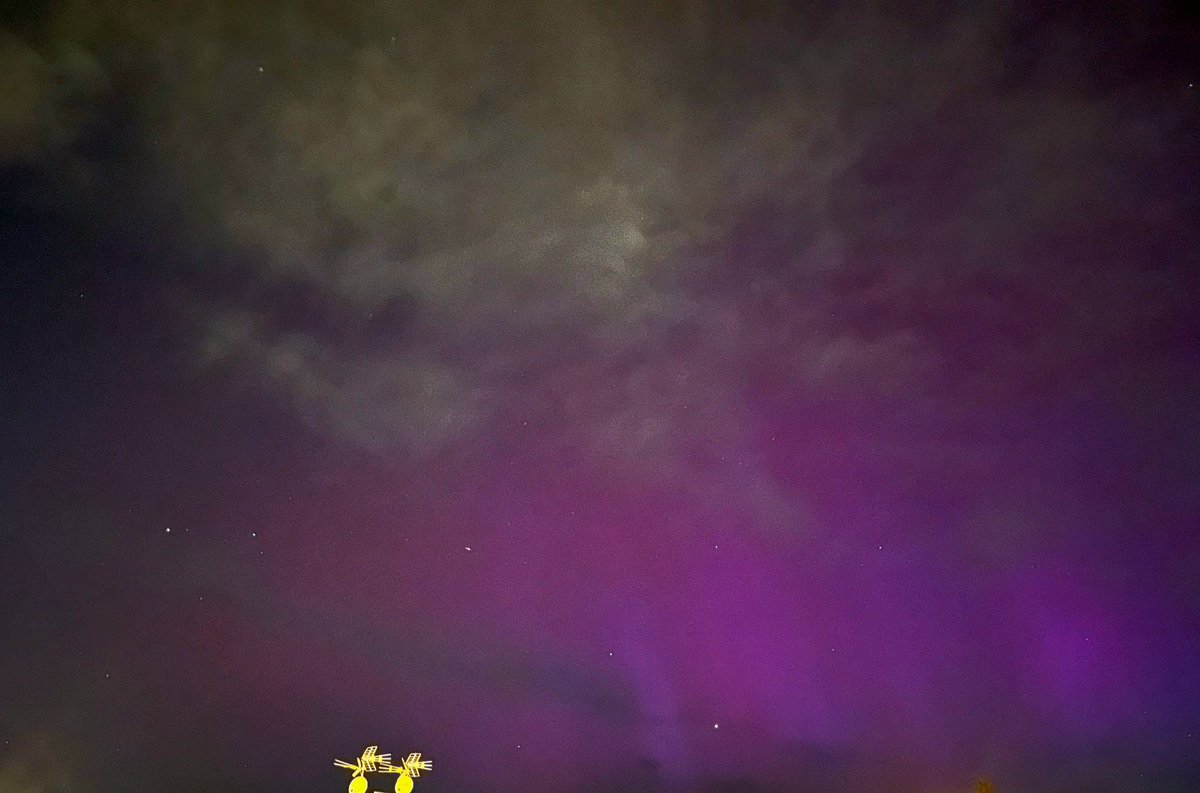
(599, 396)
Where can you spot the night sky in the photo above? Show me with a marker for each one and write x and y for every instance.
(599, 395)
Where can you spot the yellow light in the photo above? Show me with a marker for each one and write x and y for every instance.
(372, 761)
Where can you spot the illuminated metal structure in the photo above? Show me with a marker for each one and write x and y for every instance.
(371, 761)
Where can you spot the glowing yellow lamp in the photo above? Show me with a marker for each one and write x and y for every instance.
(372, 761)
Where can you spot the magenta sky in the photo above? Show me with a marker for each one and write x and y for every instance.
(595, 399)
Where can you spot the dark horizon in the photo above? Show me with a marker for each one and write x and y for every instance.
(600, 396)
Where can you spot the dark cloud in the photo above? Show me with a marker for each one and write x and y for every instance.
(466, 177)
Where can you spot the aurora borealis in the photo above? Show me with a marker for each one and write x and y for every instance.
(600, 396)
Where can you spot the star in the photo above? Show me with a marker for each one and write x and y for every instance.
(716, 726)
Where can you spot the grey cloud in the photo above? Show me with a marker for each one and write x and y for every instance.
(374, 400)
(572, 204)
(27, 105)
(45, 96)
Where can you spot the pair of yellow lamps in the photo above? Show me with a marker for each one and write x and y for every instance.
(374, 762)
(371, 761)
